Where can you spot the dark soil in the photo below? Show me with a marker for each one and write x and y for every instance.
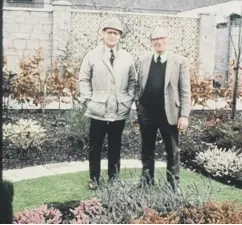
(61, 145)
(58, 147)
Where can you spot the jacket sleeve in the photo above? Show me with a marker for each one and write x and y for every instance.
(85, 84)
(132, 80)
(185, 88)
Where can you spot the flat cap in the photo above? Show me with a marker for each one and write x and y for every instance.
(114, 24)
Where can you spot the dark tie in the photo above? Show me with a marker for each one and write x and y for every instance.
(158, 60)
(112, 57)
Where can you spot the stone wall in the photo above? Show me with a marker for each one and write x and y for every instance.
(24, 31)
(64, 31)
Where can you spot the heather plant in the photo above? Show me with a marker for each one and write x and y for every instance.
(209, 213)
(124, 201)
(220, 162)
(41, 215)
(87, 211)
(24, 133)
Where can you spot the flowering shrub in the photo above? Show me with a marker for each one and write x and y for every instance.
(86, 211)
(209, 213)
(41, 215)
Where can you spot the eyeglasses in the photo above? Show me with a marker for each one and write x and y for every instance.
(160, 38)
(112, 32)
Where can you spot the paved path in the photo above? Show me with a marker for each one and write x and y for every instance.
(63, 168)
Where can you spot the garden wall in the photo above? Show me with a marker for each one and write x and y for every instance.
(64, 31)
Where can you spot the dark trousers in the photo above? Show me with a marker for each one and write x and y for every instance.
(98, 131)
(150, 121)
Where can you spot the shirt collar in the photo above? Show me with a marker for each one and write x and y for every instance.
(107, 51)
(163, 57)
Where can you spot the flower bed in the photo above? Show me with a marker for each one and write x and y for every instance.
(213, 147)
(122, 203)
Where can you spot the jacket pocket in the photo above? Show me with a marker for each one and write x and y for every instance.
(124, 104)
(97, 105)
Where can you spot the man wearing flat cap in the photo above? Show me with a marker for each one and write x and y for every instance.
(107, 83)
(163, 103)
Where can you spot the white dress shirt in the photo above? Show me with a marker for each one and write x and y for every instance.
(163, 57)
(108, 52)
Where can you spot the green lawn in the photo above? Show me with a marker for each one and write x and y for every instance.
(73, 186)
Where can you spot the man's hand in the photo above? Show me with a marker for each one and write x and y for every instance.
(182, 123)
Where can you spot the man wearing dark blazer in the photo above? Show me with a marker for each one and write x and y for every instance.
(163, 103)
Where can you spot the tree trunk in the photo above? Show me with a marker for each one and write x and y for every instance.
(235, 90)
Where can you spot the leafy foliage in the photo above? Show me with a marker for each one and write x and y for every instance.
(8, 78)
(30, 82)
(124, 201)
(63, 82)
(78, 125)
(24, 133)
(209, 213)
(208, 88)
(87, 211)
(201, 89)
(33, 83)
(222, 131)
(153, 217)
(219, 162)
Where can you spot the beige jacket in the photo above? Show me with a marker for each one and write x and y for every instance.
(177, 85)
(107, 91)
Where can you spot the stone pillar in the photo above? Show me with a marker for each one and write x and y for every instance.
(47, 4)
(207, 45)
(61, 27)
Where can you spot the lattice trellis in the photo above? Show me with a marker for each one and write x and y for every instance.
(86, 30)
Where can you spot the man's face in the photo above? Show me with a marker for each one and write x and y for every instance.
(160, 44)
(111, 37)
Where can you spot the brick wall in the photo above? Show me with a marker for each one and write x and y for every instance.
(24, 31)
(62, 30)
